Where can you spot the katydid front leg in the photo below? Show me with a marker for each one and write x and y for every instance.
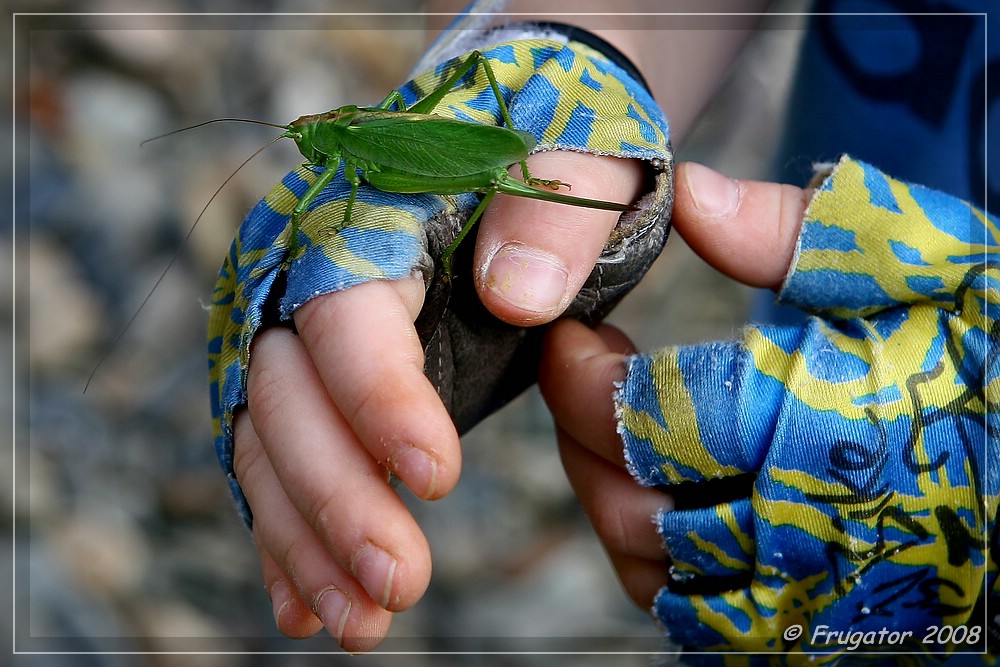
(301, 207)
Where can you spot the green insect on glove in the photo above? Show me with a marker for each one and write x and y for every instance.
(851, 462)
(567, 95)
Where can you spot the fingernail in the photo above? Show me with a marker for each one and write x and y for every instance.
(333, 608)
(413, 466)
(713, 194)
(527, 278)
(281, 598)
(374, 569)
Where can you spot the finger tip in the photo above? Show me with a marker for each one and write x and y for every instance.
(533, 256)
(579, 368)
(522, 284)
(745, 229)
(295, 620)
(615, 339)
(364, 634)
(425, 474)
(560, 339)
(398, 576)
(569, 340)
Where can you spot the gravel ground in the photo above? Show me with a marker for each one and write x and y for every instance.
(125, 535)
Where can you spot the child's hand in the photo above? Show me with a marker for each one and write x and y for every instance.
(745, 230)
(835, 476)
(334, 409)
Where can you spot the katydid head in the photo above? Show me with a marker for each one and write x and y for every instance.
(316, 134)
(312, 134)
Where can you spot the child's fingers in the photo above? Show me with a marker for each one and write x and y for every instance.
(363, 343)
(292, 614)
(533, 256)
(336, 487)
(288, 543)
(577, 377)
(746, 229)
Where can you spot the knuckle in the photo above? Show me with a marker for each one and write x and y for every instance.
(390, 384)
(368, 400)
(247, 459)
(315, 315)
(617, 528)
(288, 557)
(267, 393)
(323, 511)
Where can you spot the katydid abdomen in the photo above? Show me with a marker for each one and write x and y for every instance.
(498, 180)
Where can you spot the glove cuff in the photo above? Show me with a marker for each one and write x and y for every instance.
(565, 33)
(455, 44)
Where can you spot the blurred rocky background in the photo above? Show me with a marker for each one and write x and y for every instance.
(124, 536)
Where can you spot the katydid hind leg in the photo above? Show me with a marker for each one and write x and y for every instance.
(552, 184)
(477, 58)
(507, 184)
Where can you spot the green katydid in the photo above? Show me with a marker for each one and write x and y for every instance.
(412, 151)
(408, 151)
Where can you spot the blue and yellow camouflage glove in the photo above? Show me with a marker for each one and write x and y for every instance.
(848, 467)
(570, 96)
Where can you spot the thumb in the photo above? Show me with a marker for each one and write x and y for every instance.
(745, 229)
(534, 256)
